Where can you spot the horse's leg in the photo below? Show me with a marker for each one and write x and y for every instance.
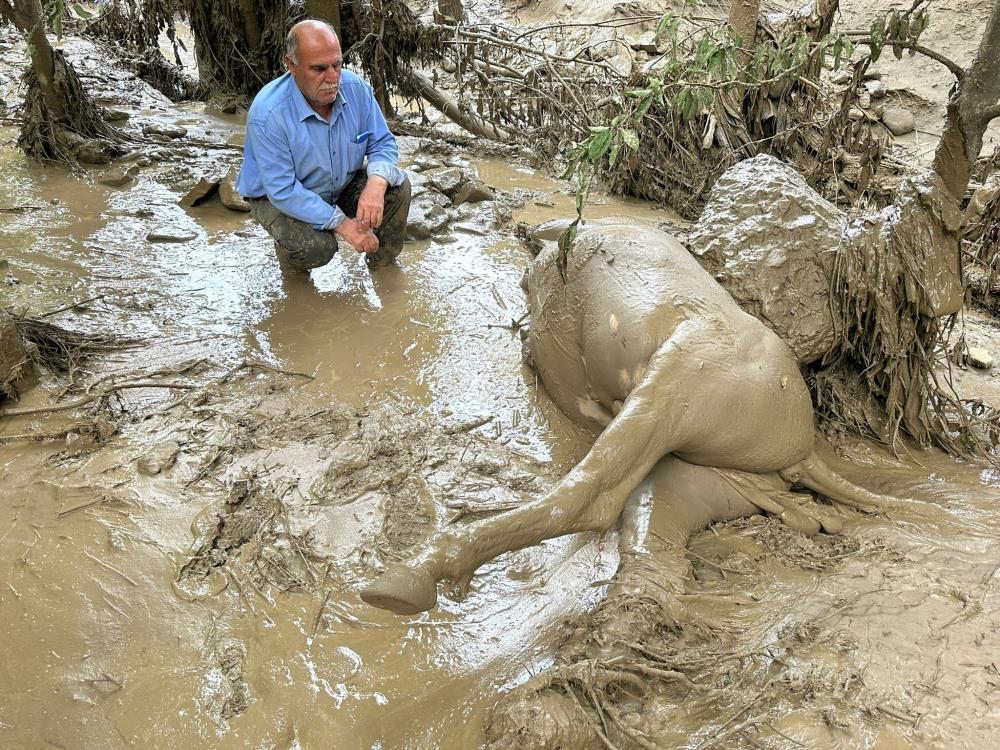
(589, 498)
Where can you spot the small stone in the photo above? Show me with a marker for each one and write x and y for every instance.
(876, 89)
(473, 191)
(840, 77)
(116, 177)
(425, 219)
(425, 163)
(229, 196)
(872, 75)
(899, 121)
(165, 235)
(979, 358)
(201, 192)
(856, 114)
(447, 180)
(161, 458)
(168, 131)
(646, 43)
(115, 115)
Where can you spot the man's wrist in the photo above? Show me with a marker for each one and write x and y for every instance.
(378, 181)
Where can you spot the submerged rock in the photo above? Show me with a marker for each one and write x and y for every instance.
(426, 219)
(770, 240)
(473, 191)
(168, 131)
(159, 459)
(117, 177)
(202, 191)
(166, 235)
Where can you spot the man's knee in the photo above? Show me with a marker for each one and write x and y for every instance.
(397, 200)
(305, 247)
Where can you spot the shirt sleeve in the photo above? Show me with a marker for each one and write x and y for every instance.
(284, 190)
(383, 154)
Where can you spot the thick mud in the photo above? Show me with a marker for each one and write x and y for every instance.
(182, 564)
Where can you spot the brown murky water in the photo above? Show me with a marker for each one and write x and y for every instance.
(104, 648)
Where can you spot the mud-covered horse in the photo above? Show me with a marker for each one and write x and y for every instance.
(640, 340)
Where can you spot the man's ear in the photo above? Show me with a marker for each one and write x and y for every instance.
(289, 64)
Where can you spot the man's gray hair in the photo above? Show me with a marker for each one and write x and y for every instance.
(292, 40)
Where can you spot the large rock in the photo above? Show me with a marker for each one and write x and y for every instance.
(770, 240)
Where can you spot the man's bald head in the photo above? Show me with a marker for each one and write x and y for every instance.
(309, 32)
(314, 59)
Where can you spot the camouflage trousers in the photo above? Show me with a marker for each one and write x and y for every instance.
(311, 248)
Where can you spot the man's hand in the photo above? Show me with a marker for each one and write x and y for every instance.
(371, 204)
(363, 239)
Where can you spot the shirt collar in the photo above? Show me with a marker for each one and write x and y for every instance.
(304, 111)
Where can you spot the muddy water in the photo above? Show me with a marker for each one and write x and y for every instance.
(103, 651)
(100, 650)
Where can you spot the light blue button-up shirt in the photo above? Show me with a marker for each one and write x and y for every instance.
(301, 162)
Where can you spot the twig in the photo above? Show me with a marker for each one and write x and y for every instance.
(109, 567)
(88, 399)
(467, 426)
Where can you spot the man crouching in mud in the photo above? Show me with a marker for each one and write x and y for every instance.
(308, 133)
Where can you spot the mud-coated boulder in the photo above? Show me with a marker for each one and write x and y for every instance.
(774, 243)
(14, 362)
(771, 241)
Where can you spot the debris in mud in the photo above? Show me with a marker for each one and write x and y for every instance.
(158, 459)
(15, 362)
(250, 528)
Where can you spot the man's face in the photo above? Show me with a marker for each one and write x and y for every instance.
(317, 73)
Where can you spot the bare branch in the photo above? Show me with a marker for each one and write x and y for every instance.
(957, 70)
(991, 113)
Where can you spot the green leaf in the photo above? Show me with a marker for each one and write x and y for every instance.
(81, 12)
(599, 143)
(616, 147)
(876, 37)
(643, 108)
(662, 26)
(630, 139)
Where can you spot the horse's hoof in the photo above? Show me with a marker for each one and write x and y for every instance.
(402, 590)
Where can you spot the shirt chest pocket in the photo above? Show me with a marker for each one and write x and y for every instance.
(356, 154)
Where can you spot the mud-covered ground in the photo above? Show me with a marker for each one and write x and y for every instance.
(181, 562)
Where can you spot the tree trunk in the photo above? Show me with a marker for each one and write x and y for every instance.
(969, 111)
(447, 106)
(61, 122)
(378, 72)
(239, 44)
(325, 10)
(449, 10)
(743, 16)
